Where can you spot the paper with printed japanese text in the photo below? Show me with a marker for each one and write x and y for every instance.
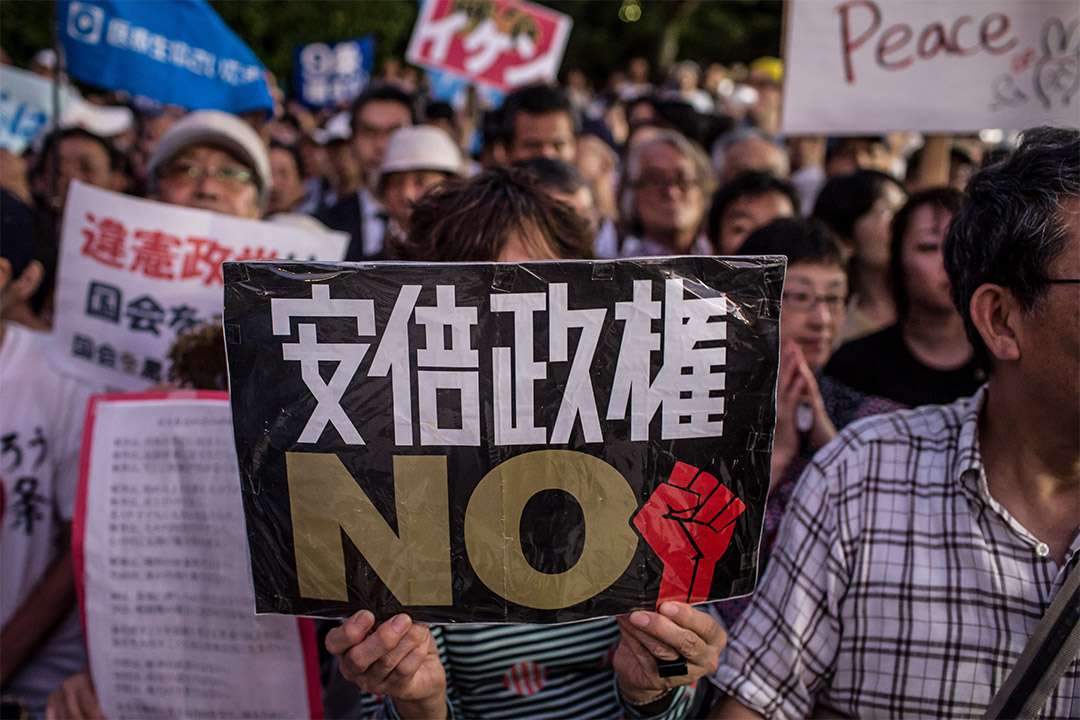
(133, 273)
(160, 559)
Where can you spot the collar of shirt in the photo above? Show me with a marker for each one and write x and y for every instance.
(970, 472)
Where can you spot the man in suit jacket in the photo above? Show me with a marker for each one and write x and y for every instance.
(376, 114)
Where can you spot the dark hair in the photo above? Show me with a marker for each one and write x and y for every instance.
(942, 200)
(749, 183)
(198, 358)
(472, 219)
(385, 93)
(438, 110)
(535, 100)
(801, 240)
(293, 151)
(846, 198)
(1012, 225)
(554, 174)
(52, 141)
(848, 145)
(957, 155)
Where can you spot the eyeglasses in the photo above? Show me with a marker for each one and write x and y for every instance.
(1060, 281)
(232, 177)
(805, 302)
(649, 181)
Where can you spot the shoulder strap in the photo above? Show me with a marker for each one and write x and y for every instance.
(1048, 654)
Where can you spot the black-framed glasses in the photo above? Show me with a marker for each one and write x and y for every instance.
(656, 181)
(799, 301)
(1060, 281)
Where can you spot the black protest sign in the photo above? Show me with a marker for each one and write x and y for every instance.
(539, 442)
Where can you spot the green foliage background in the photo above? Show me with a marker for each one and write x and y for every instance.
(704, 30)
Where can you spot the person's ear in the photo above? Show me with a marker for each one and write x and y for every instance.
(994, 312)
(23, 287)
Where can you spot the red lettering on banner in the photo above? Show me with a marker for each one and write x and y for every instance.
(988, 36)
(156, 255)
(259, 253)
(106, 245)
(204, 259)
(891, 51)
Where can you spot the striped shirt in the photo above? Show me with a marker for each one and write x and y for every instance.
(537, 671)
(898, 586)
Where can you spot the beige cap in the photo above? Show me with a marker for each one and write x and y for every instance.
(421, 147)
(220, 129)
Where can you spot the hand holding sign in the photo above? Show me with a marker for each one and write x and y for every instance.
(398, 658)
(646, 637)
(688, 522)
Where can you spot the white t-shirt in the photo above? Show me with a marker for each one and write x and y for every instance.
(40, 432)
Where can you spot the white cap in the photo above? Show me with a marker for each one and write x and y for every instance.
(103, 120)
(421, 147)
(337, 128)
(220, 129)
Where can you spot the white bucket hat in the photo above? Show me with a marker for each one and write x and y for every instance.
(214, 127)
(421, 147)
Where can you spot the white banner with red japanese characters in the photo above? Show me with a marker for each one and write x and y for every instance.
(134, 273)
(162, 573)
(874, 66)
(501, 43)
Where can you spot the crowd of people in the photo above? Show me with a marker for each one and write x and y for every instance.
(907, 555)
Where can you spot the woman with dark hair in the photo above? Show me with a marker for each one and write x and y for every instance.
(605, 667)
(924, 358)
(501, 215)
(858, 208)
(809, 408)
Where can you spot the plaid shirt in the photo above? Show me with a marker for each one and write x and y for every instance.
(898, 585)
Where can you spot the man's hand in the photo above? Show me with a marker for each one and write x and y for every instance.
(75, 699)
(398, 658)
(688, 522)
(677, 629)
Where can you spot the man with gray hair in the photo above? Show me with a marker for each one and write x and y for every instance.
(665, 196)
(748, 149)
(921, 548)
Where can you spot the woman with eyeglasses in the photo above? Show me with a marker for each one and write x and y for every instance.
(924, 358)
(809, 407)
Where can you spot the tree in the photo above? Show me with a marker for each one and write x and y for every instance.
(600, 42)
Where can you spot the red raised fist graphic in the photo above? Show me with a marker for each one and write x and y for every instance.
(688, 522)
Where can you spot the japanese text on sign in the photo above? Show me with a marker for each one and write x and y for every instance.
(504, 43)
(688, 390)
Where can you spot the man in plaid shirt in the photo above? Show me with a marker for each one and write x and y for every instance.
(921, 548)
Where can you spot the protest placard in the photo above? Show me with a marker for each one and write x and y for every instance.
(503, 43)
(26, 106)
(540, 442)
(133, 273)
(178, 52)
(330, 74)
(875, 66)
(162, 570)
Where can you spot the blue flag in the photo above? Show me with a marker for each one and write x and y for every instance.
(176, 51)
